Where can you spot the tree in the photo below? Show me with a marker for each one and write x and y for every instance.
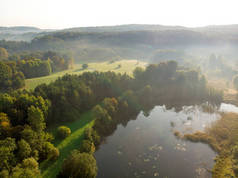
(5, 76)
(101, 114)
(137, 73)
(53, 153)
(85, 66)
(7, 157)
(111, 105)
(4, 174)
(91, 135)
(28, 168)
(4, 125)
(24, 149)
(63, 131)
(50, 151)
(36, 118)
(87, 147)
(3, 54)
(79, 165)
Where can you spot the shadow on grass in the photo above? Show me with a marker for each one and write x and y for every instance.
(50, 169)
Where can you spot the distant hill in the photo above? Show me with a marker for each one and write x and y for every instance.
(21, 33)
(123, 28)
(124, 41)
(19, 29)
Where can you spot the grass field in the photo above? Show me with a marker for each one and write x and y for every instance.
(126, 66)
(65, 146)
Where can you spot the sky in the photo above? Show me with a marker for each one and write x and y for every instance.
(58, 14)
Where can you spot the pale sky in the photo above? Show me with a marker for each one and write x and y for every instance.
(58, 14)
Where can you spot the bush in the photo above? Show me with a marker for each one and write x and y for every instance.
(54, 154)
(79, 165)
(63, 131)
(85, 66)
(87, 147)
(91, 135)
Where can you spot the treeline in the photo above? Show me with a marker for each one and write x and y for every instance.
(157, 84)
(10, 77)
(15, 68)
(218, 67)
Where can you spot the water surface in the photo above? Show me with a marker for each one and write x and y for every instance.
(146, 147)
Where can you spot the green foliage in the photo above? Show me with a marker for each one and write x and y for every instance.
(4, 174)
(101, 114)
(87, 147)
(138, 72)
(22, 118)
(92, 135)
(7, 157)
(79, 165)
(65, 146)
(24, 149)
(53, 153)
(5, 125)
(36, 119)
(50, 151)
(35, 68)
(3, 54)
(10, 78)
(111, 105)
(84, 66)
(63, 131)
(28, 168)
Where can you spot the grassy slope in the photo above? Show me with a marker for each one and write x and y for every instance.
(127, 66)
(50, 169)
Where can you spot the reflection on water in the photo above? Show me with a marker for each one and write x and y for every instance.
(147, 147)
(228, 108)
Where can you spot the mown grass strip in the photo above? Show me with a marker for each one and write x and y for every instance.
(50, 169)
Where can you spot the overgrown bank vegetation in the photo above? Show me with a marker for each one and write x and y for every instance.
(222, 136)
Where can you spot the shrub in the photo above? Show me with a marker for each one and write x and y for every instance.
(87, 147)
(63, 131)
(79, 165)
(85, 66)
(54, 153)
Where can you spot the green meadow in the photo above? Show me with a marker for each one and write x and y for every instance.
(122, 66)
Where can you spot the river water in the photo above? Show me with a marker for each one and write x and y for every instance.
(146, 147)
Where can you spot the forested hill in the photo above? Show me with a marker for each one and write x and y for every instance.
(219, 31)
(21, 33)
(127, 41)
